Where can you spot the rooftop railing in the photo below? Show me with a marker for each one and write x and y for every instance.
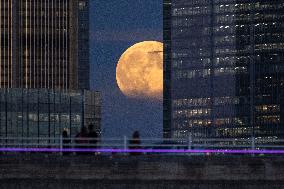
(143, 145)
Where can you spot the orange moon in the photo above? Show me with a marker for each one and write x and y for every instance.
(139, 71)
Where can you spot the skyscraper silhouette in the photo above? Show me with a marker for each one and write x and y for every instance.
(44, 44)
(224, 67)
(44, 68)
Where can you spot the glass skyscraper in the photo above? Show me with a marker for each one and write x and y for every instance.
(224, 68)
(46, 112)
(44, 68)
(44, 44)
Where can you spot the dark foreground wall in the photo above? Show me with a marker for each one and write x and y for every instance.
(31, 171)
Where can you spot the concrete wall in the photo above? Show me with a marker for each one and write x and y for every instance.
(88, 171)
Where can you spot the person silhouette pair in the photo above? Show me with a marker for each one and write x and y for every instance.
(87, 139)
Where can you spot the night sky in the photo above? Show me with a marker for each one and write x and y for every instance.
(115, 26)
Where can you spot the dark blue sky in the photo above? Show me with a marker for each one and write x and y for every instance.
(115, 26)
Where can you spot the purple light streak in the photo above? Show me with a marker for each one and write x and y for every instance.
(111, 150)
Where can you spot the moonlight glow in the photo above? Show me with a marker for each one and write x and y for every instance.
(139, 72)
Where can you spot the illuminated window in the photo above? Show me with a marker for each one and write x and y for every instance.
(82, 5)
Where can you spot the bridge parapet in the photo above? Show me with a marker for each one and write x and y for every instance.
(31, 170)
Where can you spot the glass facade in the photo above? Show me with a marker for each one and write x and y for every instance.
(44, 44)
(167, 68)
(83, 45)
(225, 68)
(46, 113)
(6, 43)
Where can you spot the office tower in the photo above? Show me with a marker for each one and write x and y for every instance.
(224, 68)
(44, 68)
(46, 113)
(44, 44)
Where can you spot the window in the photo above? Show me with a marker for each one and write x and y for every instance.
(82, 5)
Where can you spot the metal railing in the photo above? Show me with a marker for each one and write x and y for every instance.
(145, 145)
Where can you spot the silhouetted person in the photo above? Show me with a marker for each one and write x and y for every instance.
(81, 139)
(93, 136)
(65, 141)
(135, 143)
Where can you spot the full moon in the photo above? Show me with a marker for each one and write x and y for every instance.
(139, 71)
